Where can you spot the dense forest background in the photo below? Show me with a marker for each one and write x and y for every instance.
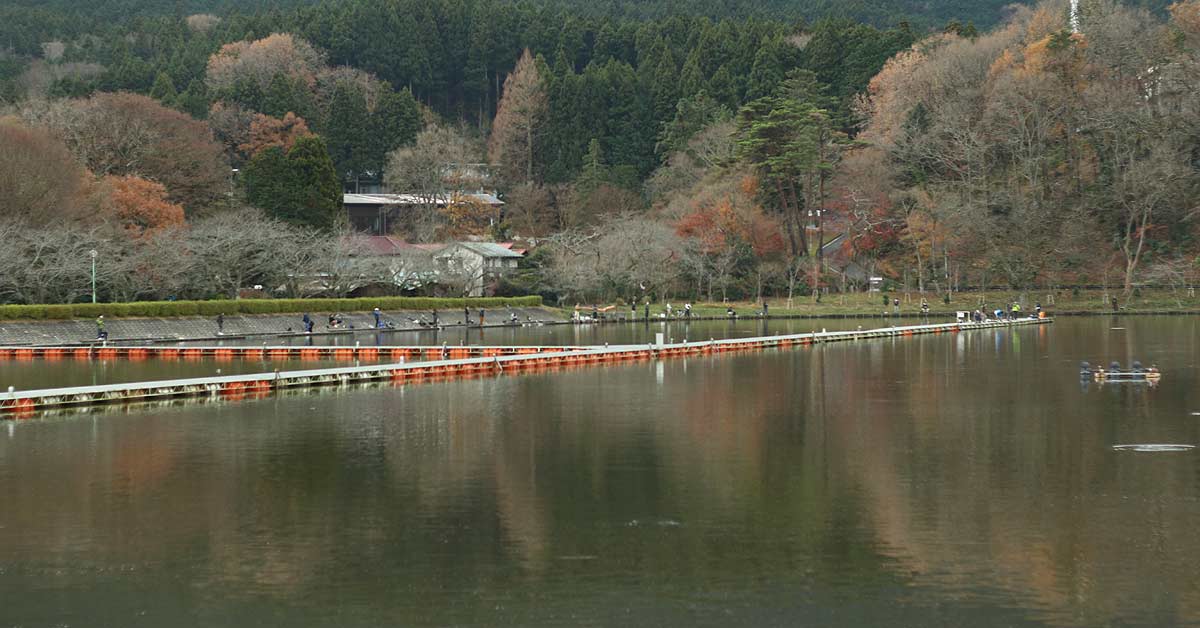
(721, 149)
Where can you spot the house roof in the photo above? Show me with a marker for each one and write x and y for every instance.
(487, 249)
(387, 245)
(412, 199)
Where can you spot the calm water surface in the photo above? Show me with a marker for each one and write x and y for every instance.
(951, 480)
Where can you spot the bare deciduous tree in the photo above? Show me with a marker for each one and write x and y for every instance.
(442, 162)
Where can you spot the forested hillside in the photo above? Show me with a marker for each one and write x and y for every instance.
(730, 155)
(616, 80)
(878, 12)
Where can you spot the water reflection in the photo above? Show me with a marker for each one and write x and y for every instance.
(958, 479)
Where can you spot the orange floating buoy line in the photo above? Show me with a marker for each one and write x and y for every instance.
(277, 353)
(443, 363)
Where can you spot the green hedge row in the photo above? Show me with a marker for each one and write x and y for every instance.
(251, 306)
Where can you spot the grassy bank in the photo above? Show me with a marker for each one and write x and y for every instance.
(167, 309)
(871, 304)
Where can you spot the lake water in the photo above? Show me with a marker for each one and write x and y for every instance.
(950, 480)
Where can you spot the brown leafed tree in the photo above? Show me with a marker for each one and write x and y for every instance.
(261, 60)
(230, 124)
(468, 216)
(267, 132)
(518, 117)
(40, 182)
(130, 134)
(141, 206)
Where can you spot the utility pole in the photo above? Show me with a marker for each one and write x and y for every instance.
(93, 254)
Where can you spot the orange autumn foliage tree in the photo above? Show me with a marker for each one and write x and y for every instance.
(268, 132)
(722, 220)
(716, 226)
(141, 206)
(1186, 16)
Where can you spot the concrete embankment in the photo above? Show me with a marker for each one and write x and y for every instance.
(66, 332)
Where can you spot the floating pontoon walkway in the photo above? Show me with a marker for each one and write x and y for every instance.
(283, 352)
(27, 403)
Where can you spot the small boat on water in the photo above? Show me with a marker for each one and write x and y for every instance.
(1114, 373)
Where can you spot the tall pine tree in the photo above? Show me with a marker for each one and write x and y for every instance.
(300, 187)
(518, 120)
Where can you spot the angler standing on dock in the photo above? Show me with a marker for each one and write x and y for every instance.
(101, 333)
(378, 318)
(221, 324)
(308, 323)
(481, 317)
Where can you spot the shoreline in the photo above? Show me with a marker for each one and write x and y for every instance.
(158, 330)
(78, 332)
